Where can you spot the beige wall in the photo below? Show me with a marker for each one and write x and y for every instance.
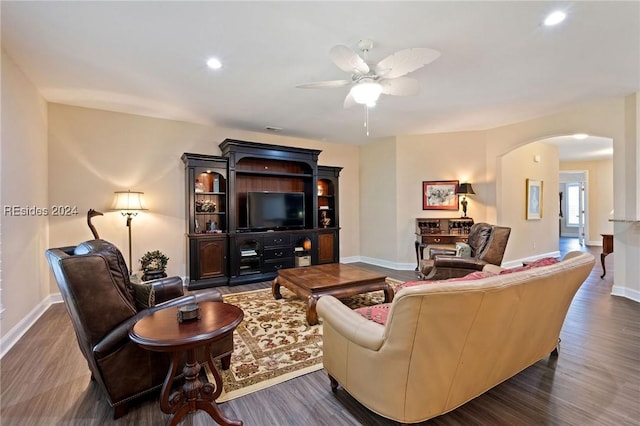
(530, 238)
(615, 118)
(599, 195)
(24, 276)
(391, 189)
(443, 156)
(93, 153)
(379, 202)
(626, 230)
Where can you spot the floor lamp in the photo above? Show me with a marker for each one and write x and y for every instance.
(128, 203)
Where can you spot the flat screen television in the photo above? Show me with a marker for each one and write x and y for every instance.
(275, 210)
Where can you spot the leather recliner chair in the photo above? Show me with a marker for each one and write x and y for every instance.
(95, 286)
(488, 244)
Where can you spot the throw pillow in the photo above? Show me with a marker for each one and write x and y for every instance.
(376, 313)
(144, 295)
(463, 250)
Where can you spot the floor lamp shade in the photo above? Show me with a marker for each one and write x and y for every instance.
(128, 203)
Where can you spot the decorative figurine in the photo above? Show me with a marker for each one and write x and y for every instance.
(325, 220)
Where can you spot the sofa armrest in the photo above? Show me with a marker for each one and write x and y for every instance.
(120, 335)
(349, 324)
(471, 263)
(167, 288)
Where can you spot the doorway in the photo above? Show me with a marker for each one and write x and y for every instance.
(573, 205)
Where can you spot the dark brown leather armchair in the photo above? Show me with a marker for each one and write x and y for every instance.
(487, 242)
(94, 283)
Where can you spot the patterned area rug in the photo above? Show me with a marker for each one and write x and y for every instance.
(274, 343)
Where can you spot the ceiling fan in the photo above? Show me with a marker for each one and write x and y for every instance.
(386, 77)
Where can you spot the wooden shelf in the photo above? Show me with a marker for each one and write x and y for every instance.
(274, 174)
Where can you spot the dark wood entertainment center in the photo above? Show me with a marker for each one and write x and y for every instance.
(222, 249)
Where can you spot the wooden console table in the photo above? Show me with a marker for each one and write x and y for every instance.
(440, 231)
(607, 248)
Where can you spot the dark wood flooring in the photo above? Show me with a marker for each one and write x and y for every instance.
(595, 380)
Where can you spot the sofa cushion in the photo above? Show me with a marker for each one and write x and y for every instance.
(535, 264)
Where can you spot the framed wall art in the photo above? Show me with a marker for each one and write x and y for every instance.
(440, 195)
(534, 199)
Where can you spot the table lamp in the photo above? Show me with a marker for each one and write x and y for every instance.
(129, 203)
(464, 189)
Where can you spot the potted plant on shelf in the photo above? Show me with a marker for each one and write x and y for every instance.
(154, 264)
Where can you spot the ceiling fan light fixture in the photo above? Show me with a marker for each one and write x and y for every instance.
(366, 92)
(555, 18)
(214, 63)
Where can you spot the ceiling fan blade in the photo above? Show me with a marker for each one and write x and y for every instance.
(348, 60)
(401, 86)
(349, 101)
(325, 84)
(404, 61)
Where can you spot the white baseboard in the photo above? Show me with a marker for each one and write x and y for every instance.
(14, 335)
(629, 293)
(380, 262)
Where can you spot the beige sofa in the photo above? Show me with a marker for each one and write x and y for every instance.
(444, 343)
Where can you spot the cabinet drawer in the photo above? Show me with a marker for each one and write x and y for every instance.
(460, 239)
(437, 239)
(277, 253)
(274, 265)
(277, 240)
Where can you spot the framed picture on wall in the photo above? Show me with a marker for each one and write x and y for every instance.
(440, 195)
(534, 199)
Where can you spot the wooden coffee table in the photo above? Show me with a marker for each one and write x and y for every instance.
(334, 279)
(161, 332)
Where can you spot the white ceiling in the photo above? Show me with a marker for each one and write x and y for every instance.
(499, 64)
(589, 149)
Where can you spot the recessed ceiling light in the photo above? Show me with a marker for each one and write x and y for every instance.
(580, 136)
(214, 63)
(555, 18)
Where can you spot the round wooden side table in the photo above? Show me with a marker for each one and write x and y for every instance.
(161, 332)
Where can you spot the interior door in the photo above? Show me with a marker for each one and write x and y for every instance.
(582, 215)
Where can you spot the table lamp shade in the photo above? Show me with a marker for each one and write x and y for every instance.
(465, 188)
